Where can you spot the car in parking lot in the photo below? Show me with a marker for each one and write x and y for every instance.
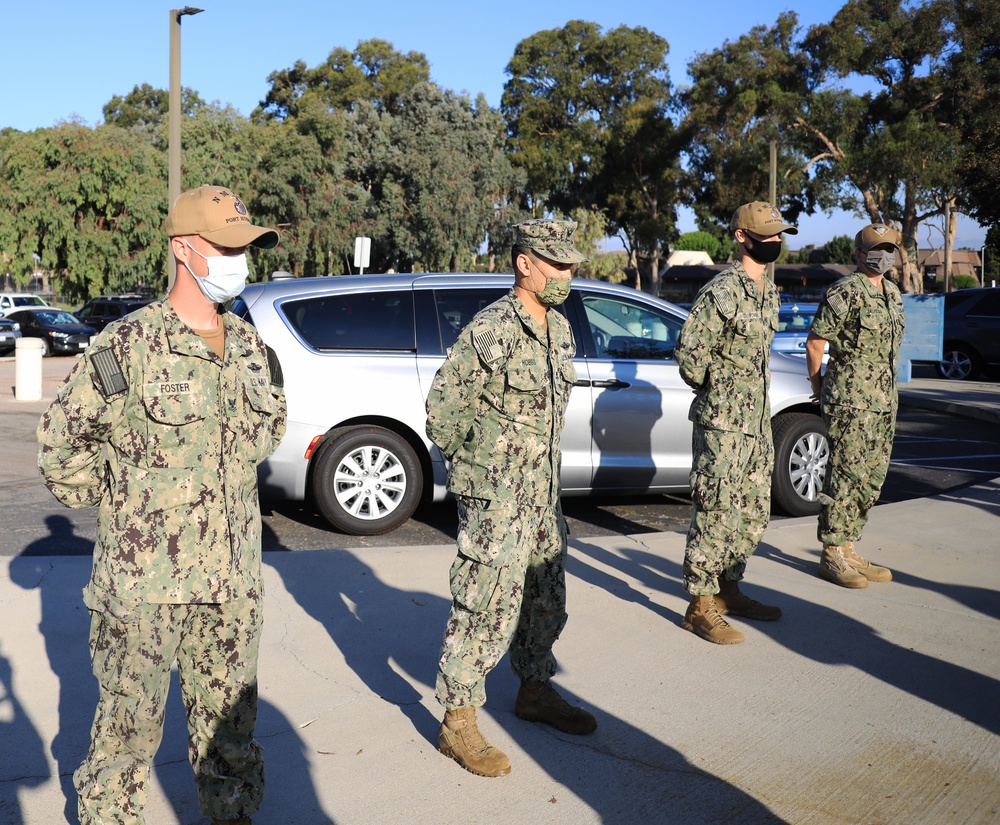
(10, 331)
(358, 353)
(793, 328)
(60, 331)
(11, 301)
(100, 311)
(971, 333)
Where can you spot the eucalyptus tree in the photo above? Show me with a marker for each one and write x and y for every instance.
(89, 203)
(904, 152)
(374, 72)
(587, 119)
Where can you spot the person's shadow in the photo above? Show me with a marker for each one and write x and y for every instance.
(827, 636)
(379, 629)
(23, 764)
(65, 627)
(622, 425)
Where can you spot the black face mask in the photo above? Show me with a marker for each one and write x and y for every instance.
(763, 252)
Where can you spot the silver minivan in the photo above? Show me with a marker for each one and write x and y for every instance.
(358, 353)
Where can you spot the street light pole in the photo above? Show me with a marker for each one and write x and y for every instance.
(174, 117)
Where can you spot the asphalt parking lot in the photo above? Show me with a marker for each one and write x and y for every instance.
(934, 452)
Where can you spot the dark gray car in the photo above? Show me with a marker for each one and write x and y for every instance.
(971, 333)
(359, 352)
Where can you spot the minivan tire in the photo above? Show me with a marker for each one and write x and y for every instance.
(801, 453)
(367, 480)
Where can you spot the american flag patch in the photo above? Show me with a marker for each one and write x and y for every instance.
(724, 301)
(837, 302)
(488, 347)
(109, 373)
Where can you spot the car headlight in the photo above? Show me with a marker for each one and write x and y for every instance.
(59, 334)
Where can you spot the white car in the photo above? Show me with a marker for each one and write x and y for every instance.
(358, 353)
(10, 301)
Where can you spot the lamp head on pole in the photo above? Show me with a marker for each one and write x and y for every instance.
(187, 10)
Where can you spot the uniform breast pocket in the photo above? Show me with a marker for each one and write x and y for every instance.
(524, 395)
(747, 341)
(871, 325)
(178, 434)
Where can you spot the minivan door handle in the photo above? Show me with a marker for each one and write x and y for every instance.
(611, 383)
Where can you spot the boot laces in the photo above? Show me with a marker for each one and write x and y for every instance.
(473, 738)
(836, 559)
(714, 616)
(552, 696)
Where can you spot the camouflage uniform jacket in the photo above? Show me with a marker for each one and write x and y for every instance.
(497, 405)
(723, 352)
(165, 437)
(864, 328)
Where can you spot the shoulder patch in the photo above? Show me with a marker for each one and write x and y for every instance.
(725, 302)
(108, 371)
(274, 365)
(487, 346)
(837, 302)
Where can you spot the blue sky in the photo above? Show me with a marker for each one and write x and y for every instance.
(63, 60)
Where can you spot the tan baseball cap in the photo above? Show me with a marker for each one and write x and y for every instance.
(219, 216)
(550, 239)
(760, 218)
(875, 234)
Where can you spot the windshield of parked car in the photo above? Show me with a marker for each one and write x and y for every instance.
(795, 318)
(56, 317)
(28, 301)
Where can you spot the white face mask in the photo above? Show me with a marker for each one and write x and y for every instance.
(227, 275)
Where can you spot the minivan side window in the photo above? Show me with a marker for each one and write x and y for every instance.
(381, 320)
(629, 329)
(455, 308)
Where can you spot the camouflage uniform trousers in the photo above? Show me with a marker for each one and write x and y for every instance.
(133, 648)
(860, 446)
(731, 493)
(508, 586)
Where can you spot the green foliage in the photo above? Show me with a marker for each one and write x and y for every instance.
(89, 203)
(587, 120)
(840, 250)
(147, 108)
(700, 242)
(743, 95)
(374, 72)
(964, 282)
(904, 152)
(592, 229)
(974, 79)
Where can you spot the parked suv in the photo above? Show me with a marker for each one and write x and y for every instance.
(100, 311)
(358, 353)
(971, 333)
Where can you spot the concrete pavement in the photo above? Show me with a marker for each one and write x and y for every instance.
(871, 706)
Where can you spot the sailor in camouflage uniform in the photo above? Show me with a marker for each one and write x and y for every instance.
(861, 316)
(161, 425)
(496, 409)
(723, 353)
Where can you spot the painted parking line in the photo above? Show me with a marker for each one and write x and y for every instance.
(916, 461)
(990, 473)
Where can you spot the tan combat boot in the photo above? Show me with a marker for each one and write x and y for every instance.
(540, 702)
(460, 739)
(870, 571)
(702, 618)
(834, 568)
(730, 601)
